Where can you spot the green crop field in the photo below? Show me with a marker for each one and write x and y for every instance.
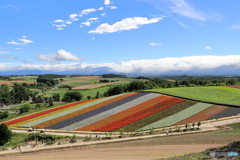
(222, 95)
(28, 78)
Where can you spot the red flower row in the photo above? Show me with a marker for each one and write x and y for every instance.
(139, 115)
(42, 113)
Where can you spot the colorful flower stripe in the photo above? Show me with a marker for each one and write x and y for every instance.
(124, 113)
(48, 114)
(202, 116)
(158, 116)
(63, 118)
(45, 119)
(41, 113)
(139, 115)
(230, 111)
(179, 116)
(103, 112)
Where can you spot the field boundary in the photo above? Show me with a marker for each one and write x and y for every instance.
(229, 105)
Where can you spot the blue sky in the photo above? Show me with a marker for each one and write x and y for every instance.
(128, 36)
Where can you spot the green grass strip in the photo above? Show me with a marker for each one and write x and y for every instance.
(179, 116)
(215, 94)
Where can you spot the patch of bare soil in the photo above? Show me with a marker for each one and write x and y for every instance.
(145, 149)
(89, 77)
(107, 152)
(10, 83)
(92, 86)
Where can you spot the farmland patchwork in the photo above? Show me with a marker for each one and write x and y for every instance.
(130, 111)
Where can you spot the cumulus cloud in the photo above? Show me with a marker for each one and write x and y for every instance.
(86, 23)
(107, 2)
(87, 11)
(73, 17)
(23, 41)
(59, 21)
(196, 64)
(93, 19)
(101, 8)
(69, 22)
(61, 55)
(155, 44)
(125, 24)
(208, 47)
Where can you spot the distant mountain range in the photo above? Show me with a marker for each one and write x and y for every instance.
(218, 71)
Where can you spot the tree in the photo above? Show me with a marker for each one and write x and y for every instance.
(193, 124)
(198, 124)
(5, 134)
(25, 108)
(50, 102)
(88, 97)
(97, 95)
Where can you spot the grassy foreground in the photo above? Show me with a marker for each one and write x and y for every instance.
(220, 95)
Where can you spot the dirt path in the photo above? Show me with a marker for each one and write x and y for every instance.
(102, 152)
(111, 149)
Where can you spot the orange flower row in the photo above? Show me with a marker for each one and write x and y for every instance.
(82, 111)
(124, 113)
(203, 115)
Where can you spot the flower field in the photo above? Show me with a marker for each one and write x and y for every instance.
(130, 111)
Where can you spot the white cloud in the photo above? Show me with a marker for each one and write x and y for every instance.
(69, 22)
(235, 26)
(73, 17)
(59, 21)
(87, 23)
(155, 44)
(107, 2)
(61, 55)
(87, 11)
(93, 19)
(13, 42)
(101, 8)
(112, 7)
(59, 29)
(17, 59)
(208, 47)
(125, 24)
(23, 41)
(196, 64)
(184, 9)
(12, 6)
(60, 25)
(103, 14)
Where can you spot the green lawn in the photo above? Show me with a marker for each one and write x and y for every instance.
(222, 95)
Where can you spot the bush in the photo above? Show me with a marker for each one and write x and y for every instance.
(5, 134)
(25, 108)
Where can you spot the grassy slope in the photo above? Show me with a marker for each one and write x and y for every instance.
(222, 95)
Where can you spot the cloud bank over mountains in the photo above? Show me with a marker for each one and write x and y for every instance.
(191, 64)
